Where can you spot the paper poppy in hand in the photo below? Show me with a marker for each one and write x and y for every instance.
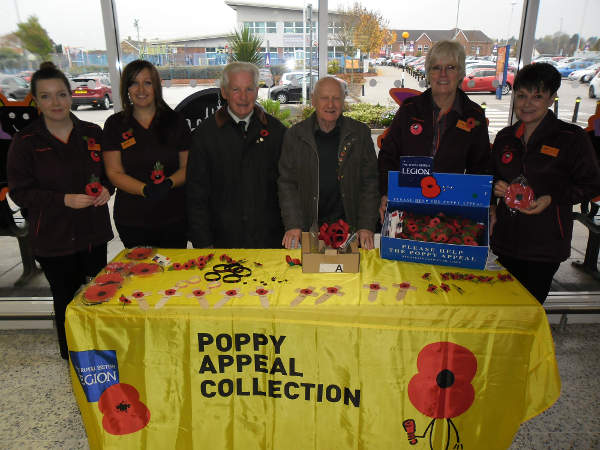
(144, 269)
(93, 188)
(442, 387)
(122, 410)
(158, 174)
(100, 293)
(429, 187)
(139, 253)
(518, 196)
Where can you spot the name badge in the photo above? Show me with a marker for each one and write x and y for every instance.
(463, 126)
(550, 151)
(127, 143)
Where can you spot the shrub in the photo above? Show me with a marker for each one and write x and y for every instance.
(375, 116)
(273, 107)
(333, 67)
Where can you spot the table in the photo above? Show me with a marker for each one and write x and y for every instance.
(396, 355)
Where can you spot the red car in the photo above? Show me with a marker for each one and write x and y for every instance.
(91, 90)
(484, 80)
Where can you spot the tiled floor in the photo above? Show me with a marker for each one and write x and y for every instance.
(38, 409)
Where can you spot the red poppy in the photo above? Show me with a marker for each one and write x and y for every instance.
(138, 294)
(297, 262)
(93, 188)
(170, 292)
(124, 299)
(127, 134)
(445, 287)
(416, 128)
(426, 276)
(442, 387)
(95, 156)
(431, 288)
(186, 266)
(518, 196)
(306, 291)
(261, 291)
(158, 174)
(445, 276)
(507, 157)
(429, 187)
(145, 269)
(177, 266)
(374, 286)
(192, 262)
(109, 278)
(100, 293)
(264, 133)
(231, 292)
(505, 277)
(91, 143)
(288, 259)
(201, 265)
(139, 253)
(199, 293)
(454, 240)
(404, 285)
(468, 240)
(412, 227)
(471, 122)
(332, 290)
(433, 222)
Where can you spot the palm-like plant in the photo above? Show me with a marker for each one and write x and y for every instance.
(245, 46)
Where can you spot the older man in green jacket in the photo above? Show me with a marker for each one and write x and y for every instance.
(328, 170)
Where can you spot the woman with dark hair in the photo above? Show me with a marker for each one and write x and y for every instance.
(542, 166)
(56, 175)
(145, 150)
(441, 123)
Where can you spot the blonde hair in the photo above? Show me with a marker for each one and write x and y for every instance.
(449, 49)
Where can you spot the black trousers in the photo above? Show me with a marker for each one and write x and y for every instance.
(170, 236)
(66, 274)
(534, 275)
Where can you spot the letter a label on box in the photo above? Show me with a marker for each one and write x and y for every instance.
(330, 268)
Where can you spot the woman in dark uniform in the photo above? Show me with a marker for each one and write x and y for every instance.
(441, 123)
(145, 149)
(55, 173)
(559, 164)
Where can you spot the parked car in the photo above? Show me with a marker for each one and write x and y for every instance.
(292, 91)
(594, 89)
(566, 69)
(26, 75)
(585, 75)
(13, 87)
(293, 77)
(265, 78)
(483, 80)
(91, 90)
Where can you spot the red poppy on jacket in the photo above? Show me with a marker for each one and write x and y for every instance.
(332, 290)
(416, 128)
(472, 123)
(139, 253)
(442, 387)
(100, 293)
(127, 134)
(109, 278)
(507, 157)
(95, 156)
(264, 133)
(145, 269)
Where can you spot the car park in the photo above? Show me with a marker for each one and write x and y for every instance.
(93, 90)
(13, 87)
(291, 91)
(484, 80)
(566, 69)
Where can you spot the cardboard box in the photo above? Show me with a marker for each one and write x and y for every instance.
(317, 259)
(467, 196)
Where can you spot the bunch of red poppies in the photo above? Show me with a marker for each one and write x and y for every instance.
(439, 228)
(334, 235)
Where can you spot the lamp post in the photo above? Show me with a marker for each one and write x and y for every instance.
(405, 36)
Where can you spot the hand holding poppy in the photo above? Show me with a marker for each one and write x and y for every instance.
(537, 205)
(500, 188)
(78, 201)
(102, 198)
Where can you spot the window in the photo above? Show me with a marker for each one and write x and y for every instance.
(256, 27)
(333, 28)
(292, 27)
(271, 27)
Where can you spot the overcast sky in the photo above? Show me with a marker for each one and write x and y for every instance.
(78, 23)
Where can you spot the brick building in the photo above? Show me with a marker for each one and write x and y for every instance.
(476, 42)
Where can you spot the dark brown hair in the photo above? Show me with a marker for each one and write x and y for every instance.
(48, 71)
(128, 77)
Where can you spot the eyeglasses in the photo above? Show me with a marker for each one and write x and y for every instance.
(438, 68)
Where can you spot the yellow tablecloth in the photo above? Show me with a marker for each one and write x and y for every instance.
(286, 360)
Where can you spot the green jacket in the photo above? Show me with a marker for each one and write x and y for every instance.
(299, 176)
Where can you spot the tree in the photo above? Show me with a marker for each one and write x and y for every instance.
(371, 29)
(344, 33)
(35, 38)
(245, 46)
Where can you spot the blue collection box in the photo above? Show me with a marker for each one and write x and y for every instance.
(461, 195)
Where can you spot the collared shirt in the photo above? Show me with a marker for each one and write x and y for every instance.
(237, 119)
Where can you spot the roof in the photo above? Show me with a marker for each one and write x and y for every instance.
(441, 35)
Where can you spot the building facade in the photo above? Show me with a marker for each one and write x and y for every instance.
(419, 42)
